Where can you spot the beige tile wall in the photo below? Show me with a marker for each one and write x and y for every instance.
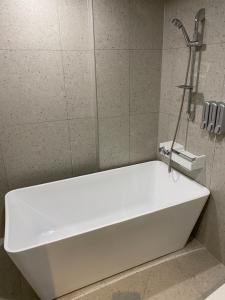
(79, 92)
(210, 230)
(128, 42)
(79, 86)
(47, 82)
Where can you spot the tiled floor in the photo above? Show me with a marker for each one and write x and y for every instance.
(190, 274)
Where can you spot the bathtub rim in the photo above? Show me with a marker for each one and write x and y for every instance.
(106, 171)
(93, 229)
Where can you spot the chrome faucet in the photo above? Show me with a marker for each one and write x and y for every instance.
(164, 151)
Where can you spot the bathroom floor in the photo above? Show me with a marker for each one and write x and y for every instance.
(189, 274)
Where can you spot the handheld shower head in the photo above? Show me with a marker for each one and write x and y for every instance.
(177, 23)
(197, 37)
(180, 25)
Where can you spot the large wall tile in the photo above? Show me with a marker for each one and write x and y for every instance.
(112, 68)
(31, 87)
(211, 77)
(76, 24)
(113, 142)
(205, 145)
(36, 153)
(180, 61)
(210, 83)
(29, 24)
(167, 88)
(80, 83)
(143, 137)
(163, 128)
(215, 21)
(111, 19)
(83, 145)
(146, 21)
(170, 33)
(174, 66)
(212, 227)
(182, 129)
(145, 81)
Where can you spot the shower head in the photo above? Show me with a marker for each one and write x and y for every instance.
(177, 23)
(197, 36)
(180, 25)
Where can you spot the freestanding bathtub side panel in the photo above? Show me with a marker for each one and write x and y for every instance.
(63, 266)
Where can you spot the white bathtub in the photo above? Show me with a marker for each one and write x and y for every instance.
(68, 234)
(219, 294)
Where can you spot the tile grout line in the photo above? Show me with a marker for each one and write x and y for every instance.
(212, 162)
(129, 84)
(47, 50)
(97, 138)
(85, 50)
(75, 118)
(65, 93)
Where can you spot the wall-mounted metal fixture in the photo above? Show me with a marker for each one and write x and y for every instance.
(205, 115)
(213, 117)
(194, 45)
(220, 119)
(190, 84)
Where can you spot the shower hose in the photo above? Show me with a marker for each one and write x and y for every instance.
(180, 111)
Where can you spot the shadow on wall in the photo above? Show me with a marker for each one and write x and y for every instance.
(126, 296)
(2, 220)
(207, 228)
(13, 286)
